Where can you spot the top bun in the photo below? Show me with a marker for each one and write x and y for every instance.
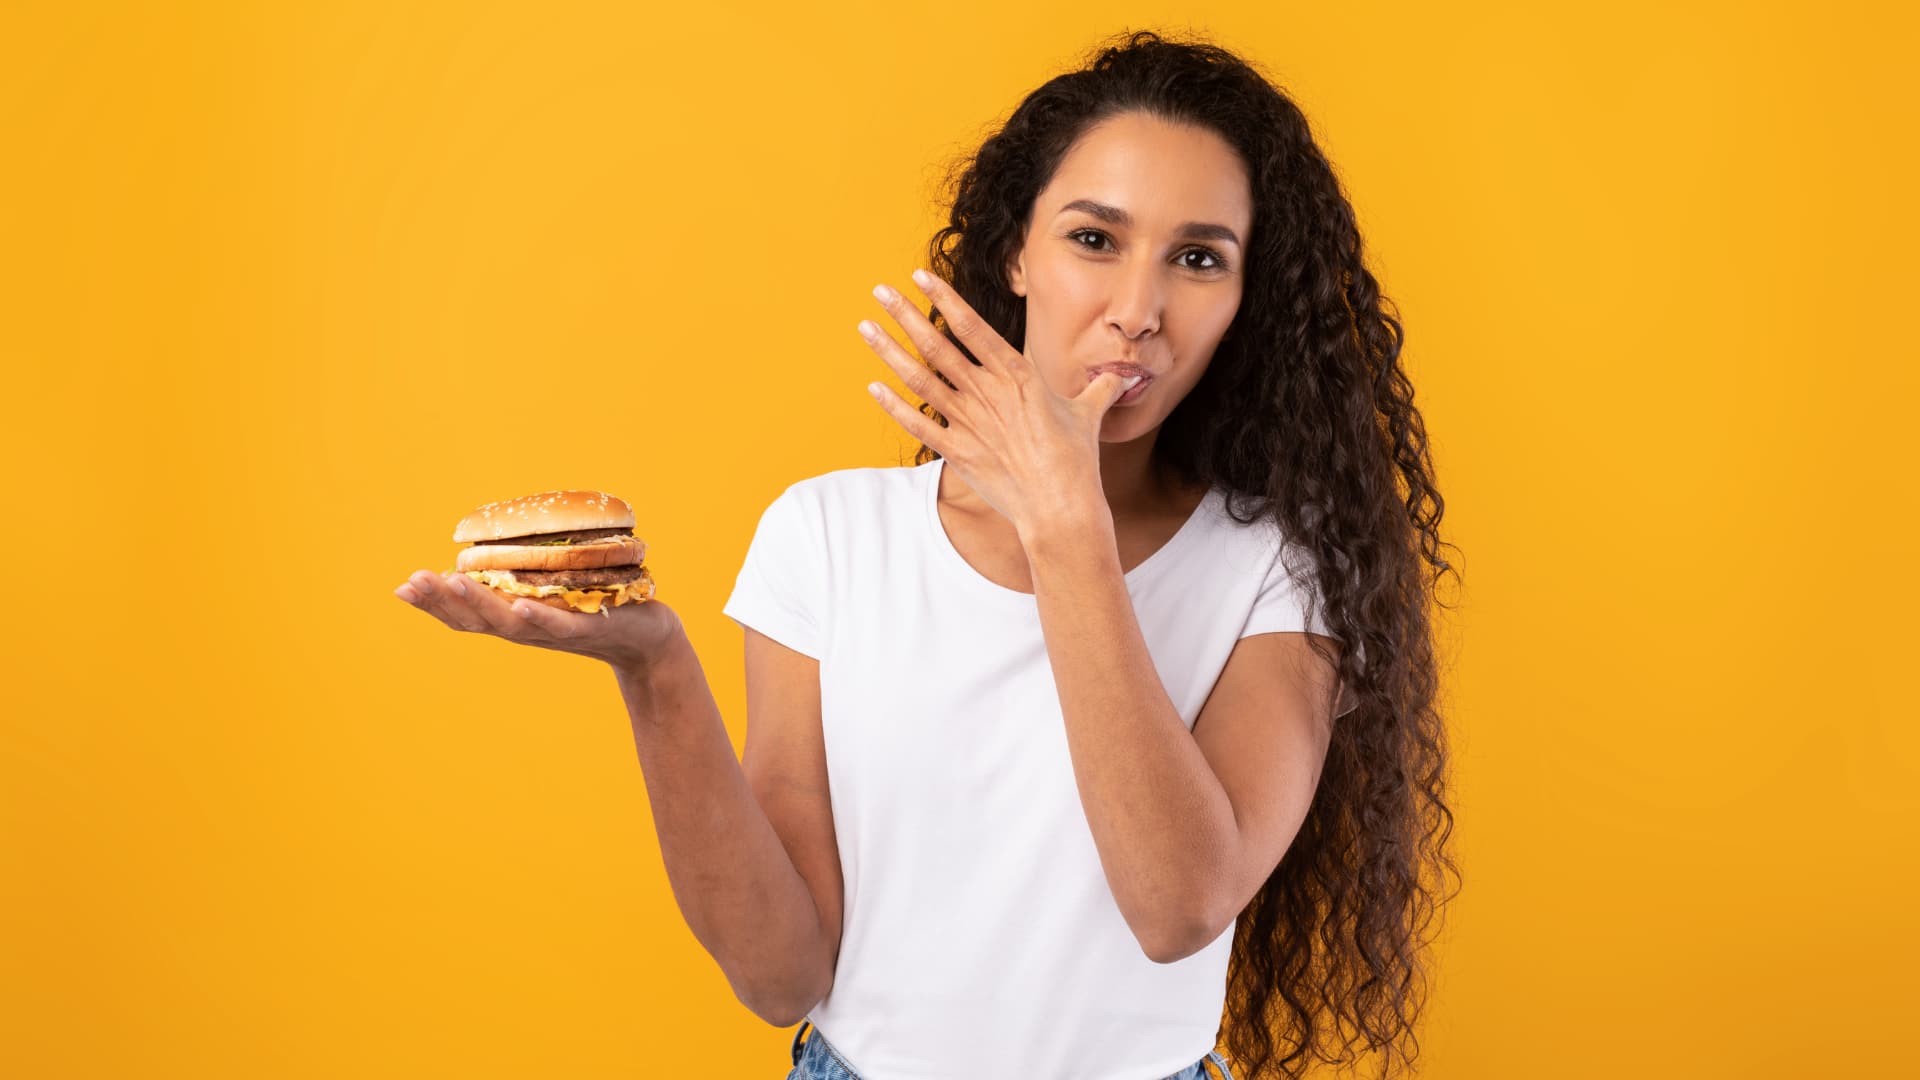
(546, 512)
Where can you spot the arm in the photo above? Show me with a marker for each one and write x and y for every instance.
(730, 873)
(728, 863)
(1188, 826)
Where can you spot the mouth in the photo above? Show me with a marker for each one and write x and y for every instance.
(1128, 370)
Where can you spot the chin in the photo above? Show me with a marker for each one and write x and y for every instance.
(1126, 427)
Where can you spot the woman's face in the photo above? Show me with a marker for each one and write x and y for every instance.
(1133, 255)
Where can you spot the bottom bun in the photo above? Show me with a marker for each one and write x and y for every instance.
(596, 599)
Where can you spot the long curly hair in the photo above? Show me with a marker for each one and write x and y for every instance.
(1305, 415)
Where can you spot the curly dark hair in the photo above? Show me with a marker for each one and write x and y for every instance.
(1305, 413)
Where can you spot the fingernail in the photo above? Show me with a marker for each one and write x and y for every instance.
(922, 279)
(1133, 380)
(405, 592)
(459, 586)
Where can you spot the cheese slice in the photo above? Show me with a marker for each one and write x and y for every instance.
(595, 599)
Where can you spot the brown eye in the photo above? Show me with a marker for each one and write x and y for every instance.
(1077, 233)
(1218, 262)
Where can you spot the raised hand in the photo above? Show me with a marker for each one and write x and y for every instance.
(1029, 452)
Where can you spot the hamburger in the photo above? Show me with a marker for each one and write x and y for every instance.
(565, 549)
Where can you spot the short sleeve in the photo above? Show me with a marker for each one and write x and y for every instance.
(781, 588)
(1281, 606)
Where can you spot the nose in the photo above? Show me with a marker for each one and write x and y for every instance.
(1135, 305)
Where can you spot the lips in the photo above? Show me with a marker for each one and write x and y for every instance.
(1124, 368)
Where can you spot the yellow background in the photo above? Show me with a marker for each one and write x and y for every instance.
(286, 293)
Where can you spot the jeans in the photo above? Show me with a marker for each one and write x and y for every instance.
(818, 1060)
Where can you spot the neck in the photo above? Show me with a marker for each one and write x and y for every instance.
(1134, 486)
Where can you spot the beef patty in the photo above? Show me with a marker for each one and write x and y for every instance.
(581, 579)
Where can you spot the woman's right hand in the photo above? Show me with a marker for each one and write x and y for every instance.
(629, 636)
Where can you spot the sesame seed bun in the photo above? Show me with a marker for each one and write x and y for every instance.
(547, 512)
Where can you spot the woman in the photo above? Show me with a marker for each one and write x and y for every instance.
(1091, 778)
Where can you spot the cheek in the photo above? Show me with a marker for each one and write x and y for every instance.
(1210, 325)
(1075, 280)
(1062, 302)
(1063, 286)
(1217, 314)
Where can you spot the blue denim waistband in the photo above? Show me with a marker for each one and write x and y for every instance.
(816, 1059)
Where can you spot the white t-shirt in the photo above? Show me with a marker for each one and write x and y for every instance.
(980, 937)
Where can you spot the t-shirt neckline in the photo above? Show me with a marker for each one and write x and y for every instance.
(959, 567)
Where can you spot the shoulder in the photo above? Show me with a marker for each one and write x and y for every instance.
(857, 479)
(839, 492)
(833, 509)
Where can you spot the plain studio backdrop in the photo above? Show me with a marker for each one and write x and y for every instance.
(285, 293)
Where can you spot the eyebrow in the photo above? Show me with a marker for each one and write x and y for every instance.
(1113, 215)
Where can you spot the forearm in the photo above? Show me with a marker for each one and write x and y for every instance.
(1161, 820)
(736, 886)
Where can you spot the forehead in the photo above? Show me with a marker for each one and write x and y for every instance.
(1162, 173)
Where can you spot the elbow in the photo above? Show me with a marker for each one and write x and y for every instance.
(1178, 941)
(780, 1014)
(1173, 950)
(773, 1011)
(777, 1018)
(784, 1010)
(783, 998)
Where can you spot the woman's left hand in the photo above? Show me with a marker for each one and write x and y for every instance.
(1030, 453)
